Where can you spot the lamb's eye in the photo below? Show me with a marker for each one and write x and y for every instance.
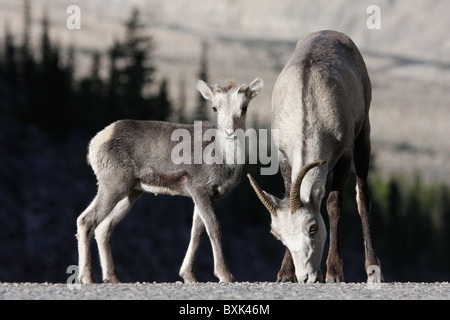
(244, 109)
(214, 109)
(313, 228)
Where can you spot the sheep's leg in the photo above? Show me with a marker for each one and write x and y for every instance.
(105, 201)
(84, 235)
(287, 269)
(103, 235)
(206, 211)
(334, 207)
(362, 160)
(87, 222)
(197, 231)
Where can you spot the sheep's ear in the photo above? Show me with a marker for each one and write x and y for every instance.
(204, 89)
(254, 88)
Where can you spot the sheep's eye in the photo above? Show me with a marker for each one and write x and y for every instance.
(214, 109)
(244, 109)
(313, 228)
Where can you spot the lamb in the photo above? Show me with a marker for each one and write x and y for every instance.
(131, 157)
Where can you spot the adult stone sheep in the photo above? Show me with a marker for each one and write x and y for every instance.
(320, 107)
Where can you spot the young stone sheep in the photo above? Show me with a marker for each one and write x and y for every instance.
(129, 157)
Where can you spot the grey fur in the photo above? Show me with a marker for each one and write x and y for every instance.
(130, 157)
(320, 105)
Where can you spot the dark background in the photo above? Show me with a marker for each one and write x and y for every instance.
(47, 117)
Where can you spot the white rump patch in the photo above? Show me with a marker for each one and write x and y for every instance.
(96, 159)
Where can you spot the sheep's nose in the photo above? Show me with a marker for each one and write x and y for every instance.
(229, 134)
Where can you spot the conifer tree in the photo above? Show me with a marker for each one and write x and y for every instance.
(90, 102)
(181, 116)
(131, 74)
(137, 72)
(51, 108)
(161, 105)
(114, 90)
(10, 71)
(201, 111)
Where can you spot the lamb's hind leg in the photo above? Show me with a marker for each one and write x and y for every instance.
(197, 231)
(85, 233)
(104, 231)
(87, 222)
(362, 159)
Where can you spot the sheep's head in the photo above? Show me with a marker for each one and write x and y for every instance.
(230, 103)
(299, 225)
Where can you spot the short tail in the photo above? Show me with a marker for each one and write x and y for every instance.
(95, 155)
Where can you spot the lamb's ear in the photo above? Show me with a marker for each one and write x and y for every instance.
(254, 88)
(204, 89)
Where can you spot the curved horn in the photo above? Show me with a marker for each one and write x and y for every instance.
(268, 203)
(295, 201)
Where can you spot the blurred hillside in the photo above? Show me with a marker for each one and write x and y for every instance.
(76, 81)
(414, 29)
(408, 58)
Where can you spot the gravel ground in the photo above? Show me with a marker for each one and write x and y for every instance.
(216, 291)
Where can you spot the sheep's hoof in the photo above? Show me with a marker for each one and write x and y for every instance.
(86, 279)
(188, 278)
(111, 280)
(226, 278)
(285, 279)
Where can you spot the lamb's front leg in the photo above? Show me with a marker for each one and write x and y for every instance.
(197, 231)
(206, 212)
